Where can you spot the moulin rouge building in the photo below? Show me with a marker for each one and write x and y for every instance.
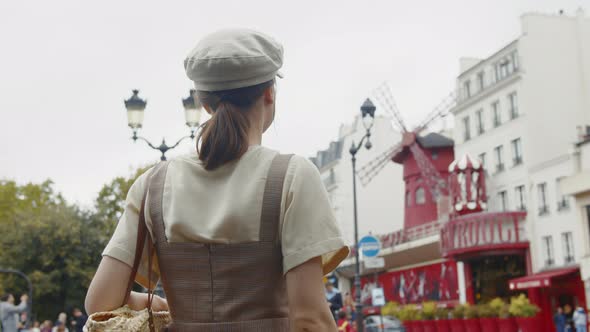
(484, 213)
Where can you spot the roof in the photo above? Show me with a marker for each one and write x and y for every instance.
(434, 140)
(541, 279)
(477, 65)
(332, 153)
(430, 141)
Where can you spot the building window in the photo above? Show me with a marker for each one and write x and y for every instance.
(496, 118)
(420, 198)
(548, 250)
(408, 198)
(480, 80)
(520, 199)
(542, 192)
(499, 151)
(514, 58)
(466, 129)
(480, 125)
(467, 88)
(482, 158)
(562, 200)
(434, 155)
(516, 152)
(513, 101)
(503, 198)
(568, 247)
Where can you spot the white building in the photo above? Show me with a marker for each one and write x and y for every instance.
(380, 203)
(518, 110)
(578, 186)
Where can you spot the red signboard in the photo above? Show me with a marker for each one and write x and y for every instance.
(436, 282)
(483, 231)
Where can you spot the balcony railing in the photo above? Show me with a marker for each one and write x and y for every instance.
(569, 259)
(401, 236)
(499, 168)
(543, 210)
(517, 160)
(549, 262)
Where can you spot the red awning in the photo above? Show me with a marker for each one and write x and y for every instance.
(541, 279)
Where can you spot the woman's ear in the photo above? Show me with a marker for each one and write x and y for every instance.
(269, 95)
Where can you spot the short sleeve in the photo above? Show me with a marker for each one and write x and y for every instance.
(309, 226)
(123, 242)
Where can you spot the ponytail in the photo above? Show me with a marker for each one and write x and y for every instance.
(224, 137)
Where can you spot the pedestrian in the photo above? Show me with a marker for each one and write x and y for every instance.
(242, 230)
(47, 326)
(334, 298)
(580, 319)
(344, 324)
(59, 327)
(62, 319)
(36, 327)
(349, 305)
(9, 313)
(79, 320)
(559, 320)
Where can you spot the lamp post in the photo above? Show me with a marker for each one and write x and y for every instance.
(136, 106)
(368, 117)
(30, 285)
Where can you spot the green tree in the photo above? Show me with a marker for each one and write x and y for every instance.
(56, 244)
(110, 203)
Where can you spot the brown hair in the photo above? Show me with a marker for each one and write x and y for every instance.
(224, 137)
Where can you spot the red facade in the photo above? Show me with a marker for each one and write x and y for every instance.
(420, 206)
(435, 282)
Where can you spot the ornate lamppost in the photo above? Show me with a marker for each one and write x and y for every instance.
(30, 285)
(136, 106)
(368, 117)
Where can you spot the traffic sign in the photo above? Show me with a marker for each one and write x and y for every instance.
(378, 297)
(374, 262)
(370, 246)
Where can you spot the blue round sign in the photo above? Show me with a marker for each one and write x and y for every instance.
(370, 246)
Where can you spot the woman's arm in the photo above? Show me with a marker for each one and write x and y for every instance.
(308, 308)
(108, 287)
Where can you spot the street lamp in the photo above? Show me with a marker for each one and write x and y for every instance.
(30, 301)
(368, 117)
(136, 106)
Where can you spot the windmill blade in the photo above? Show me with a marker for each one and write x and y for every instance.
(436, 184)
(441, 110)
(385, 99)
(374, 167)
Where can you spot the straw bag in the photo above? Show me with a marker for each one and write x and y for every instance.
(125, 319)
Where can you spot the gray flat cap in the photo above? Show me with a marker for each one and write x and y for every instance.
(231, 59)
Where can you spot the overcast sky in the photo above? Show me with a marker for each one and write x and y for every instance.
(67, 66)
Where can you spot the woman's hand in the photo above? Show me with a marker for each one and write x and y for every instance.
(159, 304)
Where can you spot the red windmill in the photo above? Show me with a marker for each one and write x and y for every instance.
(425, 160)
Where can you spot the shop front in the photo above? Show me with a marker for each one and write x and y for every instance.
(493, 248)
(551, 289)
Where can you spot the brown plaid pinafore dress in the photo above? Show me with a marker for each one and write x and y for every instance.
(225, 287)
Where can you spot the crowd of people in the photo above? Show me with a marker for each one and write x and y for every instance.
(342, 308)
(13, 318)
(567, 321)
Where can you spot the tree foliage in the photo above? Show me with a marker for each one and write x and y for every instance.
(57, 244)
